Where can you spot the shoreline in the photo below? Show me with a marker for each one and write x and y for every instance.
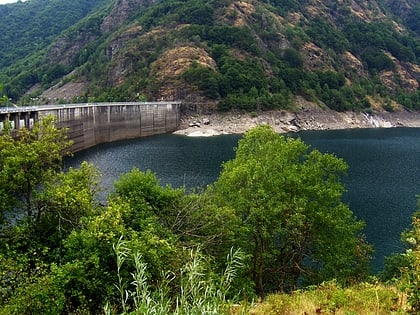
(282, 121)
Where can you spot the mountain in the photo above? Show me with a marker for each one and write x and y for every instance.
(28, 26)
(247, 55)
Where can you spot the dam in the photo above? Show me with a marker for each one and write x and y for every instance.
(95, 123)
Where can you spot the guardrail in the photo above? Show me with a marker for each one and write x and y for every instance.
(19, 109)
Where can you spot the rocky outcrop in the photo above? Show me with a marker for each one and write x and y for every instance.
(60, 91)
(66, 49)
(405, 75)
(121, 12)
(352, 62)
(315, 58)
(307, 117)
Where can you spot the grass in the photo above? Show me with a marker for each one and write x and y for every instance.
(198, 293)
(330, 298)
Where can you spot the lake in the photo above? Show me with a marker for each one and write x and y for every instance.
(382, 181)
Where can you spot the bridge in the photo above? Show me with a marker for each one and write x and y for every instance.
(94, 123)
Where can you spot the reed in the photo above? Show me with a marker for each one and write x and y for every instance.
(200, 291)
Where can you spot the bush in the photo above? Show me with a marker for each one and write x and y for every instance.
(331, 298)
(411, 273)
(377, 61)
(293, 58)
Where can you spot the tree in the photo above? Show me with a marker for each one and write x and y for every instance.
(293, 58)
(4, 100)
(203, 78)
(31, 253)
(292, 221)
(48, 205)
(190, 218)
(63, 201)
(27, 161)
(406, 266)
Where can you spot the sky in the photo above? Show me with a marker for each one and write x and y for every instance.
(7, 1)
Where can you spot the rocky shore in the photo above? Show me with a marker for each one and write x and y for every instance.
(306, 118)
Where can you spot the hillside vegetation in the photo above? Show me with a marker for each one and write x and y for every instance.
(247, 55)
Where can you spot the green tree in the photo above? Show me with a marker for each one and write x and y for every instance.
(29, 160)
(4, 100)
(65, 199)
(293, 58)
(140, 210)
(32, 252)
(203, 78)
(292, 221)
(406, 266)
(191, 218)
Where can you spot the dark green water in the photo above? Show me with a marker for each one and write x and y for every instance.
(382, 182)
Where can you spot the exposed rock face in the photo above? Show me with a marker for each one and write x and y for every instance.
(405, 75)
(122, 64)
(238, 13)
(121, 11)
(67, 92)
(413, 70)
(118, 42)
(352, 62)
(366, 11)
(315, 57)
(65, 50)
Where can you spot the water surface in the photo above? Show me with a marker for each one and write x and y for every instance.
(382, 181)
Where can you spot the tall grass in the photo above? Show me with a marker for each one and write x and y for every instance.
(199, 293)
(330, 298)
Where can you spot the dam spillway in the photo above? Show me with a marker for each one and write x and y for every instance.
(95, 123)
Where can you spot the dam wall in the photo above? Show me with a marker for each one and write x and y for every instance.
(95, 123)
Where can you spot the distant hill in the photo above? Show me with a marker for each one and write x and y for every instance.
(28, 27)
(246, 55)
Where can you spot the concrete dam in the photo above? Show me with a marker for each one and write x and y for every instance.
(95, 123)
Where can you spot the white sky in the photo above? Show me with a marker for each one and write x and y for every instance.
(7, 1)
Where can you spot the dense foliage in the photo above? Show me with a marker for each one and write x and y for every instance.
(163, 248)
(4, 100)
(28, 160)
(28, 30)
(405, 267)
(33, 25)
(288, 210)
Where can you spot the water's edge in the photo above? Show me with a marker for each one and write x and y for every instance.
(308, 117)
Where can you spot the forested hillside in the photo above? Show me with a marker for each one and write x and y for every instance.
(29, 27)
(248, 55)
